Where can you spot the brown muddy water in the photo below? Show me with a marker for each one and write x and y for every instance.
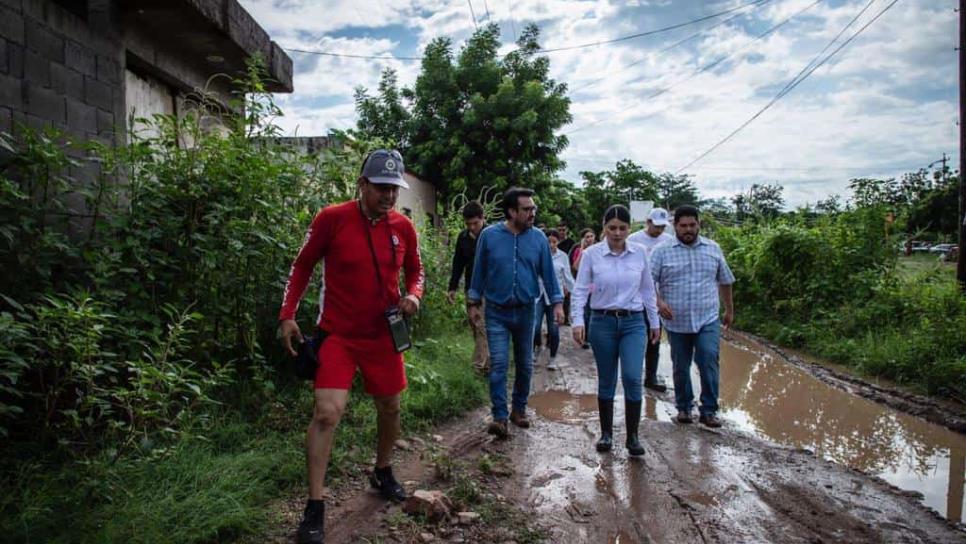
(774, 400)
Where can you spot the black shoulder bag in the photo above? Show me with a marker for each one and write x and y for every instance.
(306, 361)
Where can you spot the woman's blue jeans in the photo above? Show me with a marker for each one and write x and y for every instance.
(553, 331)
(502, 326)
(618, 340)
(702, 348)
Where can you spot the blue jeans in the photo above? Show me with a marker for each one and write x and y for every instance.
(502, 325)
(702, 347)
(618, 339)
(553, 332)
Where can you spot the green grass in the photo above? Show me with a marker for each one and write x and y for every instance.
(910, 331)
(220, 487)
(918, 263)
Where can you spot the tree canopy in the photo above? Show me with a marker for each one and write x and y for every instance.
(474, 119)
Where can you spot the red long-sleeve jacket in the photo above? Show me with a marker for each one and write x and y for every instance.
(355, 303)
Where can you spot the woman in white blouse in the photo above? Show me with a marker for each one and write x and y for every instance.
(623, 317)
(561, 268)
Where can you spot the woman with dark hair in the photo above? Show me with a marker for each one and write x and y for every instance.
(616, 272)
(587, 239)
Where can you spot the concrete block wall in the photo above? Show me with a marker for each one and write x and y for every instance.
(55, 70)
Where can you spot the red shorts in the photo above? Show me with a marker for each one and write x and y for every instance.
(382, 368)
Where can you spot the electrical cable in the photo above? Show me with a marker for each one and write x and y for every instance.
(702, 69)
(802, 76)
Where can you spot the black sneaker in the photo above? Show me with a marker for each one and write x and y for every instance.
(312, 528)
(385, 482)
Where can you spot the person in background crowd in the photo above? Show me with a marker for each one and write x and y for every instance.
(652, 236)
(691, 275)
(463, 257)
(587, 239)
(561, 267)
(565, 245)
(624, 317)
(510, 256)
(364, 243)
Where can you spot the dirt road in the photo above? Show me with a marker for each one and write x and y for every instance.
(693, 485)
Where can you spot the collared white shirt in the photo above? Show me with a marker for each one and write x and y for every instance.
(689, 277)
(649, 242)
(617, 281)
(561, 267)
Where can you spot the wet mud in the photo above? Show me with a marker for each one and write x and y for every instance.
(792, 463)
(798, 460)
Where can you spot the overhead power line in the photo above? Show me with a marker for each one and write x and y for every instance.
(539, 51)
(704, 68)
(668, 48)
(649, 32)
(473, 14)
(800, 77)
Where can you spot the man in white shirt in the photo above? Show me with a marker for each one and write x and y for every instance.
(650, 238)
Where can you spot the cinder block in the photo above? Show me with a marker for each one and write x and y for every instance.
(6, 120)
(36, 69)
(4, 63)
(105, 121)
(43, 41)
(11, 25)
(15, 59)
(97, 93)
(44, 103)
(108, 70)
(81, 118)
(66, 81)
(80, 58)
(11, 92)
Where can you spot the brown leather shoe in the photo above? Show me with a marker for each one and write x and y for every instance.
(684, 417)
(520, 419)
(710, 420)
(498, 429)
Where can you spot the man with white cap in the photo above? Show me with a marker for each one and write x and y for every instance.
(364, 243)
(652, 236)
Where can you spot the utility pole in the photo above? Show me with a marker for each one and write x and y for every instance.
(961, 264)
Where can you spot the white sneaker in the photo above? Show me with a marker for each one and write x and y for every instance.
(552, 363)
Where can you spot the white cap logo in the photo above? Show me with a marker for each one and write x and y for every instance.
(390, 164)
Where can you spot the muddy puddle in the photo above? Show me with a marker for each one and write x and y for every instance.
(784, 404)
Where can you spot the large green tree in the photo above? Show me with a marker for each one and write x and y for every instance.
(626, 182)
(475, 119)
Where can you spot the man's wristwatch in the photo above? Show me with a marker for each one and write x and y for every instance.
(474, 303)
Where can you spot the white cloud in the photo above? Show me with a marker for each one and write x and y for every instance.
(886, 103)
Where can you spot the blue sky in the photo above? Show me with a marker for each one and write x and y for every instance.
(886, 104)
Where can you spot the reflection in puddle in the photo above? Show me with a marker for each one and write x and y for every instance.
(564, 407)
(785, 404)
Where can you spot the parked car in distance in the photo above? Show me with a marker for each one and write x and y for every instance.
(942, 248)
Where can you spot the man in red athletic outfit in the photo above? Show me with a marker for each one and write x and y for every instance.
(351, 238)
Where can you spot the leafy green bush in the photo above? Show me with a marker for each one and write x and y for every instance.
(832, 288)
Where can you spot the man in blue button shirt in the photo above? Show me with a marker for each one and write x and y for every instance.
(510, 256)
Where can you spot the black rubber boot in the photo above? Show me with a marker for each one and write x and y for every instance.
(632, 417)
(606, 408)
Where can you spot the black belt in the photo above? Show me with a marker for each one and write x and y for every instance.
(618, 313)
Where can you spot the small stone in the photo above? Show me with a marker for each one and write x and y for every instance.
(402, 444)
(427, 537)
(434, 505)
(420, 443)
(438, 438)
(466, 518)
